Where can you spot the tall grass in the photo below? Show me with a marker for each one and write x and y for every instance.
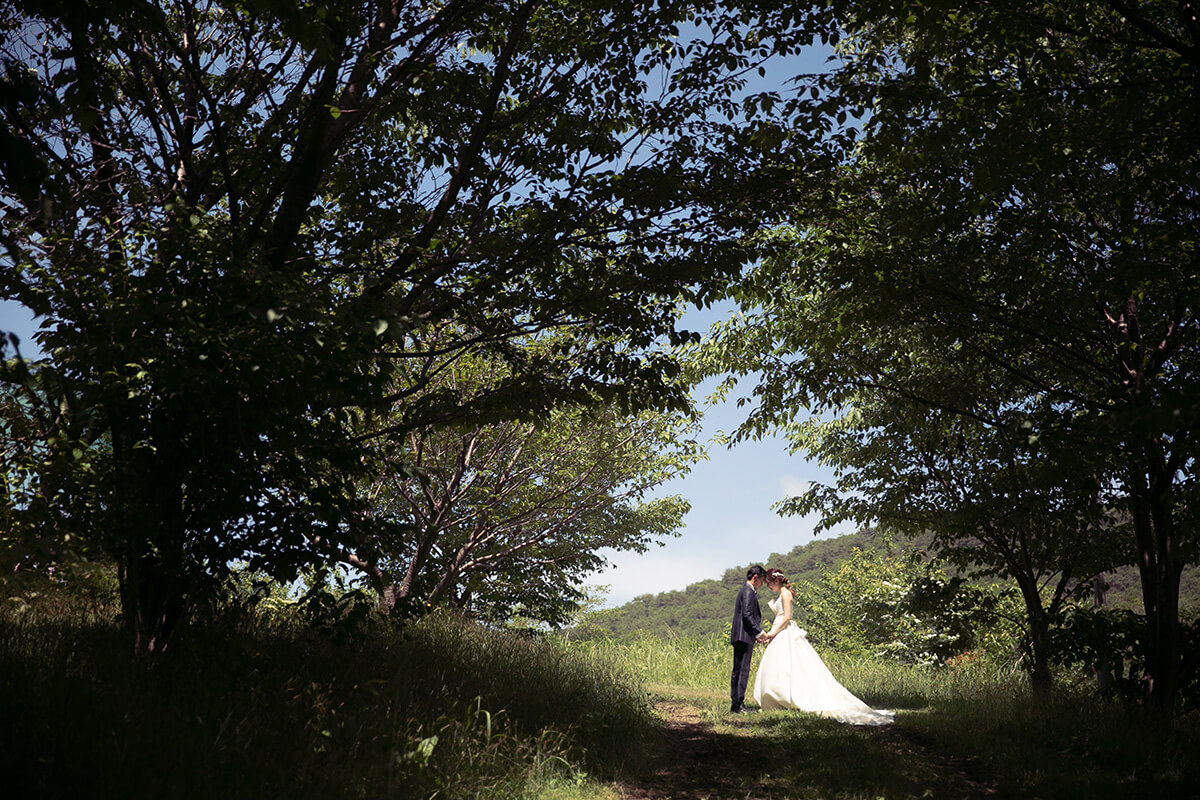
(442, 708)
(981, 715)
(1069, 744)
(255, 708)
(678, 661)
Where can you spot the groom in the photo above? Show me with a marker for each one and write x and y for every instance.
(746, 630)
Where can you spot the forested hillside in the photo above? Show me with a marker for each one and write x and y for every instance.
(704, 608)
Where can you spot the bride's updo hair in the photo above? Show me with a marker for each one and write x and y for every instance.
(776, 576)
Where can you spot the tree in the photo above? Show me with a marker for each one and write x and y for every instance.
(992, 502)
(1020, 204)
(505, 519)
(32, 505)
(236, 219)
(897, 607)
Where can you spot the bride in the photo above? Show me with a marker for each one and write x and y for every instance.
(792, 675)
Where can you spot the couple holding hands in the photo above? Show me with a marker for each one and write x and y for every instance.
(791, 675)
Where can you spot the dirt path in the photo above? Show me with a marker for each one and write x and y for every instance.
(694, 762)
(741, 758)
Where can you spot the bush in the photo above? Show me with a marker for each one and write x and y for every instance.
(1109, 646)
(905, 609)
(68, 589)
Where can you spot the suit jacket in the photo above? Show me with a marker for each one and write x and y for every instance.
(747, 616)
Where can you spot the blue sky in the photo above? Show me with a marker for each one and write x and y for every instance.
(15, 318)
(731, 522)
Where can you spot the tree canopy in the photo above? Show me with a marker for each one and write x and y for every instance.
(243, 223)
(506, 519)
(997, 263)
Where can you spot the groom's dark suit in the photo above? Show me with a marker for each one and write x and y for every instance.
(747, 625)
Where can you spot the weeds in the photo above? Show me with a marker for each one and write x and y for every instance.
(261, 706)
(443, 708)
(978, 716)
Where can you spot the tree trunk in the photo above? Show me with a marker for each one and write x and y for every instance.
(1041, 680)
(387, 597)
(389, 590)
(1164, 656)
(155, 580)
(154, 602)
(1160, 576)
(1103, 667)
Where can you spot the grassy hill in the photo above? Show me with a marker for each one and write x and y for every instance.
(705, 608)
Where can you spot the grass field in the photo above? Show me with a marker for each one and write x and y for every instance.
(978, 719)
(444, 708)
(441, 708)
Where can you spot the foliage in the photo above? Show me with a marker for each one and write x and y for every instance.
(1108, 644)
(243, 223)
(36, 506)
(991, 498)
(84, 588)
(505, 519)
(995, 266)
(1104, 641)
(903, 609)
(989, 494)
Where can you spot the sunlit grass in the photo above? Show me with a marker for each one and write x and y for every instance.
(445, 708)
(669, 660)
(980, 715)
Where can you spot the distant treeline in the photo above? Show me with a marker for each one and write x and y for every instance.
(704, 608)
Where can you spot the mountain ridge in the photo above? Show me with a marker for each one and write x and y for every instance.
(703, 608)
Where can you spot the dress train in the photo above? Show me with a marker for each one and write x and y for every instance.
(792, 676)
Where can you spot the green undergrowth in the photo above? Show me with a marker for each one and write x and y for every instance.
(444, 708)
(974, 729)
(441, 708)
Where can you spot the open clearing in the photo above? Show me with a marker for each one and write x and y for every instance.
(705, 755)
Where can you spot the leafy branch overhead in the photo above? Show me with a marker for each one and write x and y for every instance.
(988, 294)
(243, 223)
(506, 519)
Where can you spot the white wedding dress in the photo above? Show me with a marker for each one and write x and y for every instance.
(792, 676)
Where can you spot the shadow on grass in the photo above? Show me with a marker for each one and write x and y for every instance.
(707, 755)
(1057, 752)
(441, 708)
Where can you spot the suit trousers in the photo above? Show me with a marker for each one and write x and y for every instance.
(740, 676)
